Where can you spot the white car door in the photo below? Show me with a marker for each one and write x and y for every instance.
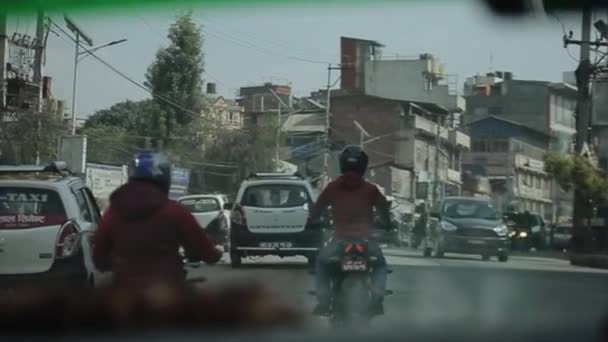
(87, 217)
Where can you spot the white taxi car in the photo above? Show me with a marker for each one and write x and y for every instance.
(212, 213)
(269, 217)
(47, 218)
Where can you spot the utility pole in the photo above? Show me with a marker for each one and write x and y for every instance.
(328, 121)
(79, 35)
(3, 53)
(38, 56)
(280, 104)
(38, 75)
(278, 148)
(436, 168)
(583, 113)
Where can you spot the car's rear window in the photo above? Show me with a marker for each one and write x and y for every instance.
(29, 208)
(276, 196)
(201, 205)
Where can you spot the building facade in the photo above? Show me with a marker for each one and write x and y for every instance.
(422, 79)
(263, 100)
(401, 139)
(547, 107)
(511, 155)
(227, 112)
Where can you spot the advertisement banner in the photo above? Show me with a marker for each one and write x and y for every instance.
(104, 179)
(180, 181)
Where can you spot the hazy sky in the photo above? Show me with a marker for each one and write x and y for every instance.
(245, 46)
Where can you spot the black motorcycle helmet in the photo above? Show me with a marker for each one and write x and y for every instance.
(353, 159)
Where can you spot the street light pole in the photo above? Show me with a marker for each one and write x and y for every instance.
(280, 104)
(76, 54)
(77, 59)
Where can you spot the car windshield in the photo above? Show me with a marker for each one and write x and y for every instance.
(201, 205)
(275, 196)
(469, 209)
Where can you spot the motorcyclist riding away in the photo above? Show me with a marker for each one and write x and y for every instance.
(352, 200)
(139, 236)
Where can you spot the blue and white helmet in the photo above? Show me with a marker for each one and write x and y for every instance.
(153, 167)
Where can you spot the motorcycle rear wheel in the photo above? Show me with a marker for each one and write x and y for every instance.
(351, 302)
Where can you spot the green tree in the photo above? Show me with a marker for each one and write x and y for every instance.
(109, 144)
(176, 75)
(578, 172)
(135, 117)
(31, 135)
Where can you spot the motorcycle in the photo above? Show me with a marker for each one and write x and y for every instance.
(351, 285)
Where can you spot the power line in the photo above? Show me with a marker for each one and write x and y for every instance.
(267, 41)
(554, 15)
(143, 87)
(153, 30)
(246, 44)
(263, 50)
(228, 165)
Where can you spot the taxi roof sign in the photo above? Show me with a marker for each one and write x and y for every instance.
(54, 167)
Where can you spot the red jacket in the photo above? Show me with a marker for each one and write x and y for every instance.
(352, 200)
(139, 236)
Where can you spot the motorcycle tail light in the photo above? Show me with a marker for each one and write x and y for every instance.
(348, 248)
(360, 248)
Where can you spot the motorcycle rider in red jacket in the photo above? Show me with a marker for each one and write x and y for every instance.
(352, 200)
(140, 234)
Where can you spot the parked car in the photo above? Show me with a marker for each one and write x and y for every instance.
(212, 214)
(467, 225)
(47, 220)
(270, 216)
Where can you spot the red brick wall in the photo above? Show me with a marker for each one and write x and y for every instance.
(377, 116)
(348, 51)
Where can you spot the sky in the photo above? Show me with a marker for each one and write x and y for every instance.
(251, 45)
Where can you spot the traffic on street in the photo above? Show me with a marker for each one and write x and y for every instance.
(284, 170)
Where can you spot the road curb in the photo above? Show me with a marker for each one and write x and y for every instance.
(589, 260)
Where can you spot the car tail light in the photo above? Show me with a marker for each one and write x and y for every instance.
(67, 241)
(360, 248)
(237, 216)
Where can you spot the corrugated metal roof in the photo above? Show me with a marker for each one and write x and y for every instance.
(305, 123)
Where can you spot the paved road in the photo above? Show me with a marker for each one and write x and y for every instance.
(525, 291)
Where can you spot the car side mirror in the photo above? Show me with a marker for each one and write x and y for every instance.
(227, 206)
(306, 207)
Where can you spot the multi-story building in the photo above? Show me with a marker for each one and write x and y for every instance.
(263, 100)
(226, 112)
(401, 138)
(305, 135)
(422, 79)
(546, 107)
(511, 155)
(402, 112)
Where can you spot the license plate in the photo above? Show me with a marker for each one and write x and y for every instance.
(477, 242)
(282, 244)
(354, 265)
